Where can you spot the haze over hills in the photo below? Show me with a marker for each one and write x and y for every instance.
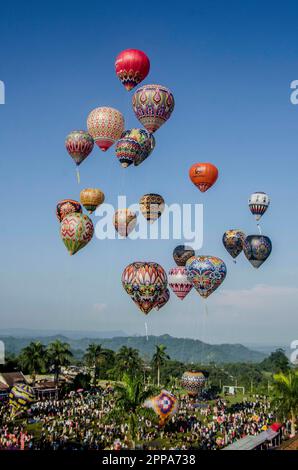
(182, 349)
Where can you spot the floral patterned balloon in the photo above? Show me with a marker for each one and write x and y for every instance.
(206, 273)
(76, 231)
(144, 282)
(153, 106)
(105, 125)
(67, 206)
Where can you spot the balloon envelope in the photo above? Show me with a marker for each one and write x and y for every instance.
(79, 145)
(145, 140)
(76, 231)
(20, 396)
(153, 106)
(127, 150)
(233, 242)
(182, 253)
(132, 66)
(258, 204)
(91, 198)
(124, 221)
(257, 248)
(203, 175)
(152, 206)
(193, 382)
(165, 405)
(144, 282)
(162, 299)
(67, 206)
(206, 273)
(105, 125)
(178, 281)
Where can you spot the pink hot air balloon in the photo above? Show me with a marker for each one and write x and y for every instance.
(179, 282)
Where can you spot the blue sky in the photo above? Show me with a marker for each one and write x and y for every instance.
(230, 66)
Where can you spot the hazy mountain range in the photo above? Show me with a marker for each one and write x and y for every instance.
(181, 349)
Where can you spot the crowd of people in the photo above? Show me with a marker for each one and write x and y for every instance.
(84, 421)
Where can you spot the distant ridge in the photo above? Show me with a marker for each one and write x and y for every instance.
(75, 334)
(181, 349)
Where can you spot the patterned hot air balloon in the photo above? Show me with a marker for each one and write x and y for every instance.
(193, 382)
(21, 395)
(124, 221)
(182, 253)
(144, 139)
(132, 66)
(257, 248)
(105, 125)
(127, 150)
(233, 242)
(258, 204)
(165, 406)
(153, 105)
(76, 231)
(162, 299)
(67, 206)
(206, 273)
(178, 281)
(152, 206)
(203, 175)
(79, 145)
(144, 282)
(91, 198)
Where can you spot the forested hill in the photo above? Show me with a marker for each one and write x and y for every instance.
(182, 349)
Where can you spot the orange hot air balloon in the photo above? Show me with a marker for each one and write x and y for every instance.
(203, 175)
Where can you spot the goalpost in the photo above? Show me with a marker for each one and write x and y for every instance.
(232, 389)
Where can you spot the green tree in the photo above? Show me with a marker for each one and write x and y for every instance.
(130, 397)
(276, 362)
(95, 356)
(128, 360)
(159, 359)
(285, 396)
(33, 359)
(59, 355)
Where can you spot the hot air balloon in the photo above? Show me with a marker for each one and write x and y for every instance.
(178, 281)
(165, 406)
(152, 206)
(233, 242)
(182, 253)
(67, 206)
(91, 198)
(127, 150)
(144, 139)
(132, 66)
(257, 248)
(124, 221)
(193, 382)
(258, 204)
(105, 125)
(144, 282)
(79, 145)
(203, 175)
(76, 231)
(206, 273)
(21, 395)
(162, 299)
(153, 106)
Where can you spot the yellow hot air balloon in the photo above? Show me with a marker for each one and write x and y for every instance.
(152, 206)
(91, 198)
(124, 221)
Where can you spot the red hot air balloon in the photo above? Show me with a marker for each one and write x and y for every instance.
(203, 175)
(132, 66)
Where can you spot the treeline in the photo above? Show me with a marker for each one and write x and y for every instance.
(104, 364)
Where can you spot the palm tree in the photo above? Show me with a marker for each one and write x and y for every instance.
(59, 355)
(159, 358)
(128, 360)
(33, 358)
(130, 397)
(94, 356)
(285, 396)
